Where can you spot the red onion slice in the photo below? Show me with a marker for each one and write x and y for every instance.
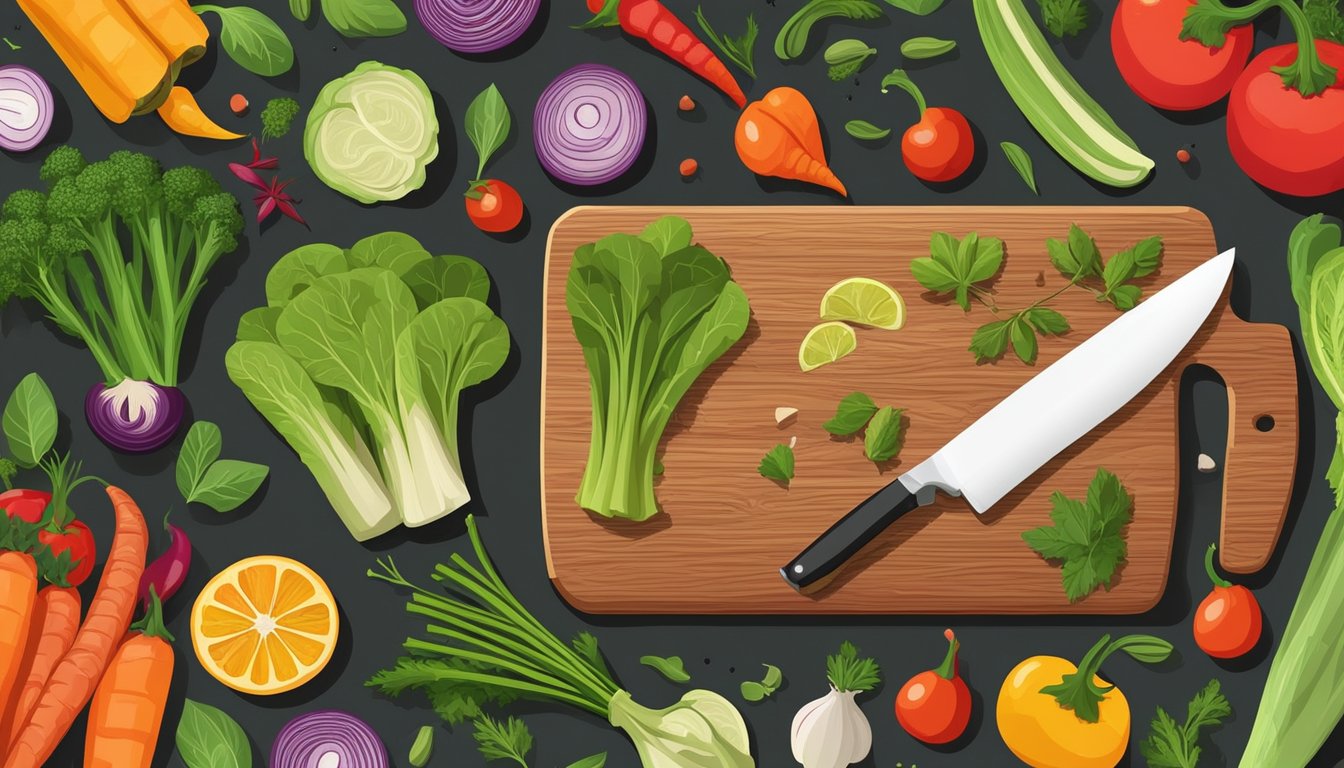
(328, 738)
(590, 125)
(476, 26)
(26, 108)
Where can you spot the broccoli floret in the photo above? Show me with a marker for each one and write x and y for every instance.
(216, 217)
(25, 204)
(278, 116)
(62, 163)
(82, 198)
(136, 183)
(182, 187)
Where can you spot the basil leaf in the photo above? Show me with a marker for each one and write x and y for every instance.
(917, 7)
(30, 421)
(866, 131)
(199, 450)
(488, 124)
(364, 18)
(228, 483)
(209, 738)
(885, 434)
(593, 761)
(926, 47)
(1021, 162)
(251, 39)
(854, 411)
(670, 667)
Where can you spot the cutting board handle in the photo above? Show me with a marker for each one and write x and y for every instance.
(1255, 361)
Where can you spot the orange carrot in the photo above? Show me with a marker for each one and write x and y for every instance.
(127, 708)
(18, 593)
(780, 136)
(55, 620)
(75, 677)
(182, 114)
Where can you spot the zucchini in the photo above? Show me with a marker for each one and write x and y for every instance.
(1070, 120)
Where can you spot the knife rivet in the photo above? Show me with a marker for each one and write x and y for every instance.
(797, 569)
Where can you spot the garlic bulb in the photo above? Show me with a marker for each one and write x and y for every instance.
(831, 732)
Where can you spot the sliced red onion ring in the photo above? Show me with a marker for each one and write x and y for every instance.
(134, 416)
(476, 26)
(328, 738)
(26, 108)
(590, 125)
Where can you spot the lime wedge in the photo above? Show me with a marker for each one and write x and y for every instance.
(864, 301)
(825, 344)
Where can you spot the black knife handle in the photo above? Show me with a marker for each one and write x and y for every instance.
(809, 570)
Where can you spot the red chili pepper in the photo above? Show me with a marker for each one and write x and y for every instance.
(169, 570)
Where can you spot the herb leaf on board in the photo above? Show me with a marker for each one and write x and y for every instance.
(1169, 745)
(1021, 162)
(739, 50)
(670, 667)
(1087, 536)
(488, 123)
(208, 738)
(955, 266)
(30, 421)
(252, 39)
(853, 412)
(866, 131)
(507, 740)
(848, 672)
(777, 464)
(927, 47)
(885, 434)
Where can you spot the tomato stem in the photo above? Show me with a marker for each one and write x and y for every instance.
(948, 669)
(1208, 22)
(64, 476)
(1218, 581)
(901, 80)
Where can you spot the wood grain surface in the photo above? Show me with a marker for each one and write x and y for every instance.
(724, 531)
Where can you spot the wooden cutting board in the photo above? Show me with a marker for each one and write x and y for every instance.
(724, 531)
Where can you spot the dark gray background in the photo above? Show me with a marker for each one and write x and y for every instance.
(291, 516)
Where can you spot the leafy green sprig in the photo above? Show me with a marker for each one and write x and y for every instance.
(1177, 746)
(848, 672)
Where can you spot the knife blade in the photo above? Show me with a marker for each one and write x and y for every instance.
(1044, 416)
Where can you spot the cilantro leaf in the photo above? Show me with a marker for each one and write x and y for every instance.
(990, 341)
(1064, 17)
(847, 672)
(1087, 535)
(853, 412)
(1169, 745)
(953, 265)
(509, 740)
(885, 434)
(777, 464)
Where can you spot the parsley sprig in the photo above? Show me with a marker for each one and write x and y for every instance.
(1177, 746)
(965, 268)
(1064, 17)
(848, 672)
(1087, 535)
(506, 740)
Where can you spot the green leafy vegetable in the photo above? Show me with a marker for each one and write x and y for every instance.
(508, 740)
(209, 738)
(252, 39)
(485, 647)
(362, 353)
(739, 50)
(592, 761)
(1021, 162)
(277, 117)
(847, 57)
(371, 134)
(927, 47)
(30, 421)
(955, 266)
(422, 747)
(917, 7)
(364, 18)
(760, 691)
(1064, 17)
(1078, 690)
(848, 672)
(777, 464)
(866, 131)
(201, 477)
(851, 415)
(652, 312)
(885, 434)
(670, 667)
(792, 38)
(1177, 746)
(488, 124)
(1327, 22)
(1088, 535)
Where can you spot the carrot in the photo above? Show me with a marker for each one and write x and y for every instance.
(127, 708)
(651, 21)
(75, 677)
(185, 116)
(780, 136)
(18, 593)
(55, 620)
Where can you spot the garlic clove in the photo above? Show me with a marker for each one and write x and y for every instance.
(783, 414)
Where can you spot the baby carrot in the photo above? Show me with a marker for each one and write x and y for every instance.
(55, 620)
(18, 593)
(127, 708)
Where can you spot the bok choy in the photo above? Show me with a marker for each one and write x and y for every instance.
(485, 648)
(358, 360)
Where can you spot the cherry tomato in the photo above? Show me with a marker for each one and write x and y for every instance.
(1228, 622)
(940, 146)
(74, 537)
(494, 206)
(1165, 70)
(935, 705)
(1281, 139)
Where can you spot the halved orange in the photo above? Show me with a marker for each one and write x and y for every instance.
(264, 625)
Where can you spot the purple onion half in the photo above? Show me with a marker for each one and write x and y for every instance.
(590, 125)
(26, 108)
(328, 738)
(134, 416)
(476, 26)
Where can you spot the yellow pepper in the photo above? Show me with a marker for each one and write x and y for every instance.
(1052, 714)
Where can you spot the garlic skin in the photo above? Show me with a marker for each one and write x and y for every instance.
(831, 732)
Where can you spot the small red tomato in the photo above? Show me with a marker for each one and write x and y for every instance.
(1227, 623)
(73, 536)
(494, 206)
(935, 705)
(1165, 70)
(940, 146)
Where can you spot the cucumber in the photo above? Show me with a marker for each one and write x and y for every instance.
(1070, 120)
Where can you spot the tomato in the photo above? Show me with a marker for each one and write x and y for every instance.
(1165, 70)
(940, 146)
(1281, 139)
(73, 537)
(1228, 621)
(935, 705)
(494, 206)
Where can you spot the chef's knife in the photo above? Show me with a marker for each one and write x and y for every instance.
(1041, 418)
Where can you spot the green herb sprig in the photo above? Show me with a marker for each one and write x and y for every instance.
(777, 464)
(1177, 746)
(739, 50)
(1088, 535)
(506, 740)
(1064, 17)
(848, 672)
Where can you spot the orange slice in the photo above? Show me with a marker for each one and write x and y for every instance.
(264, 625)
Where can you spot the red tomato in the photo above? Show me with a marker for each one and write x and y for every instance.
(1228, 622)
(940, 146)
(935, 706)
(1165, 70)
(499, 207)
(1281, 139)
(74, 536)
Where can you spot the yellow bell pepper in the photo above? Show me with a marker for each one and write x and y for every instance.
(1052, 714)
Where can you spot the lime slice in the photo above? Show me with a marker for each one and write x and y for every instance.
(864, 301)
(825, 344)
